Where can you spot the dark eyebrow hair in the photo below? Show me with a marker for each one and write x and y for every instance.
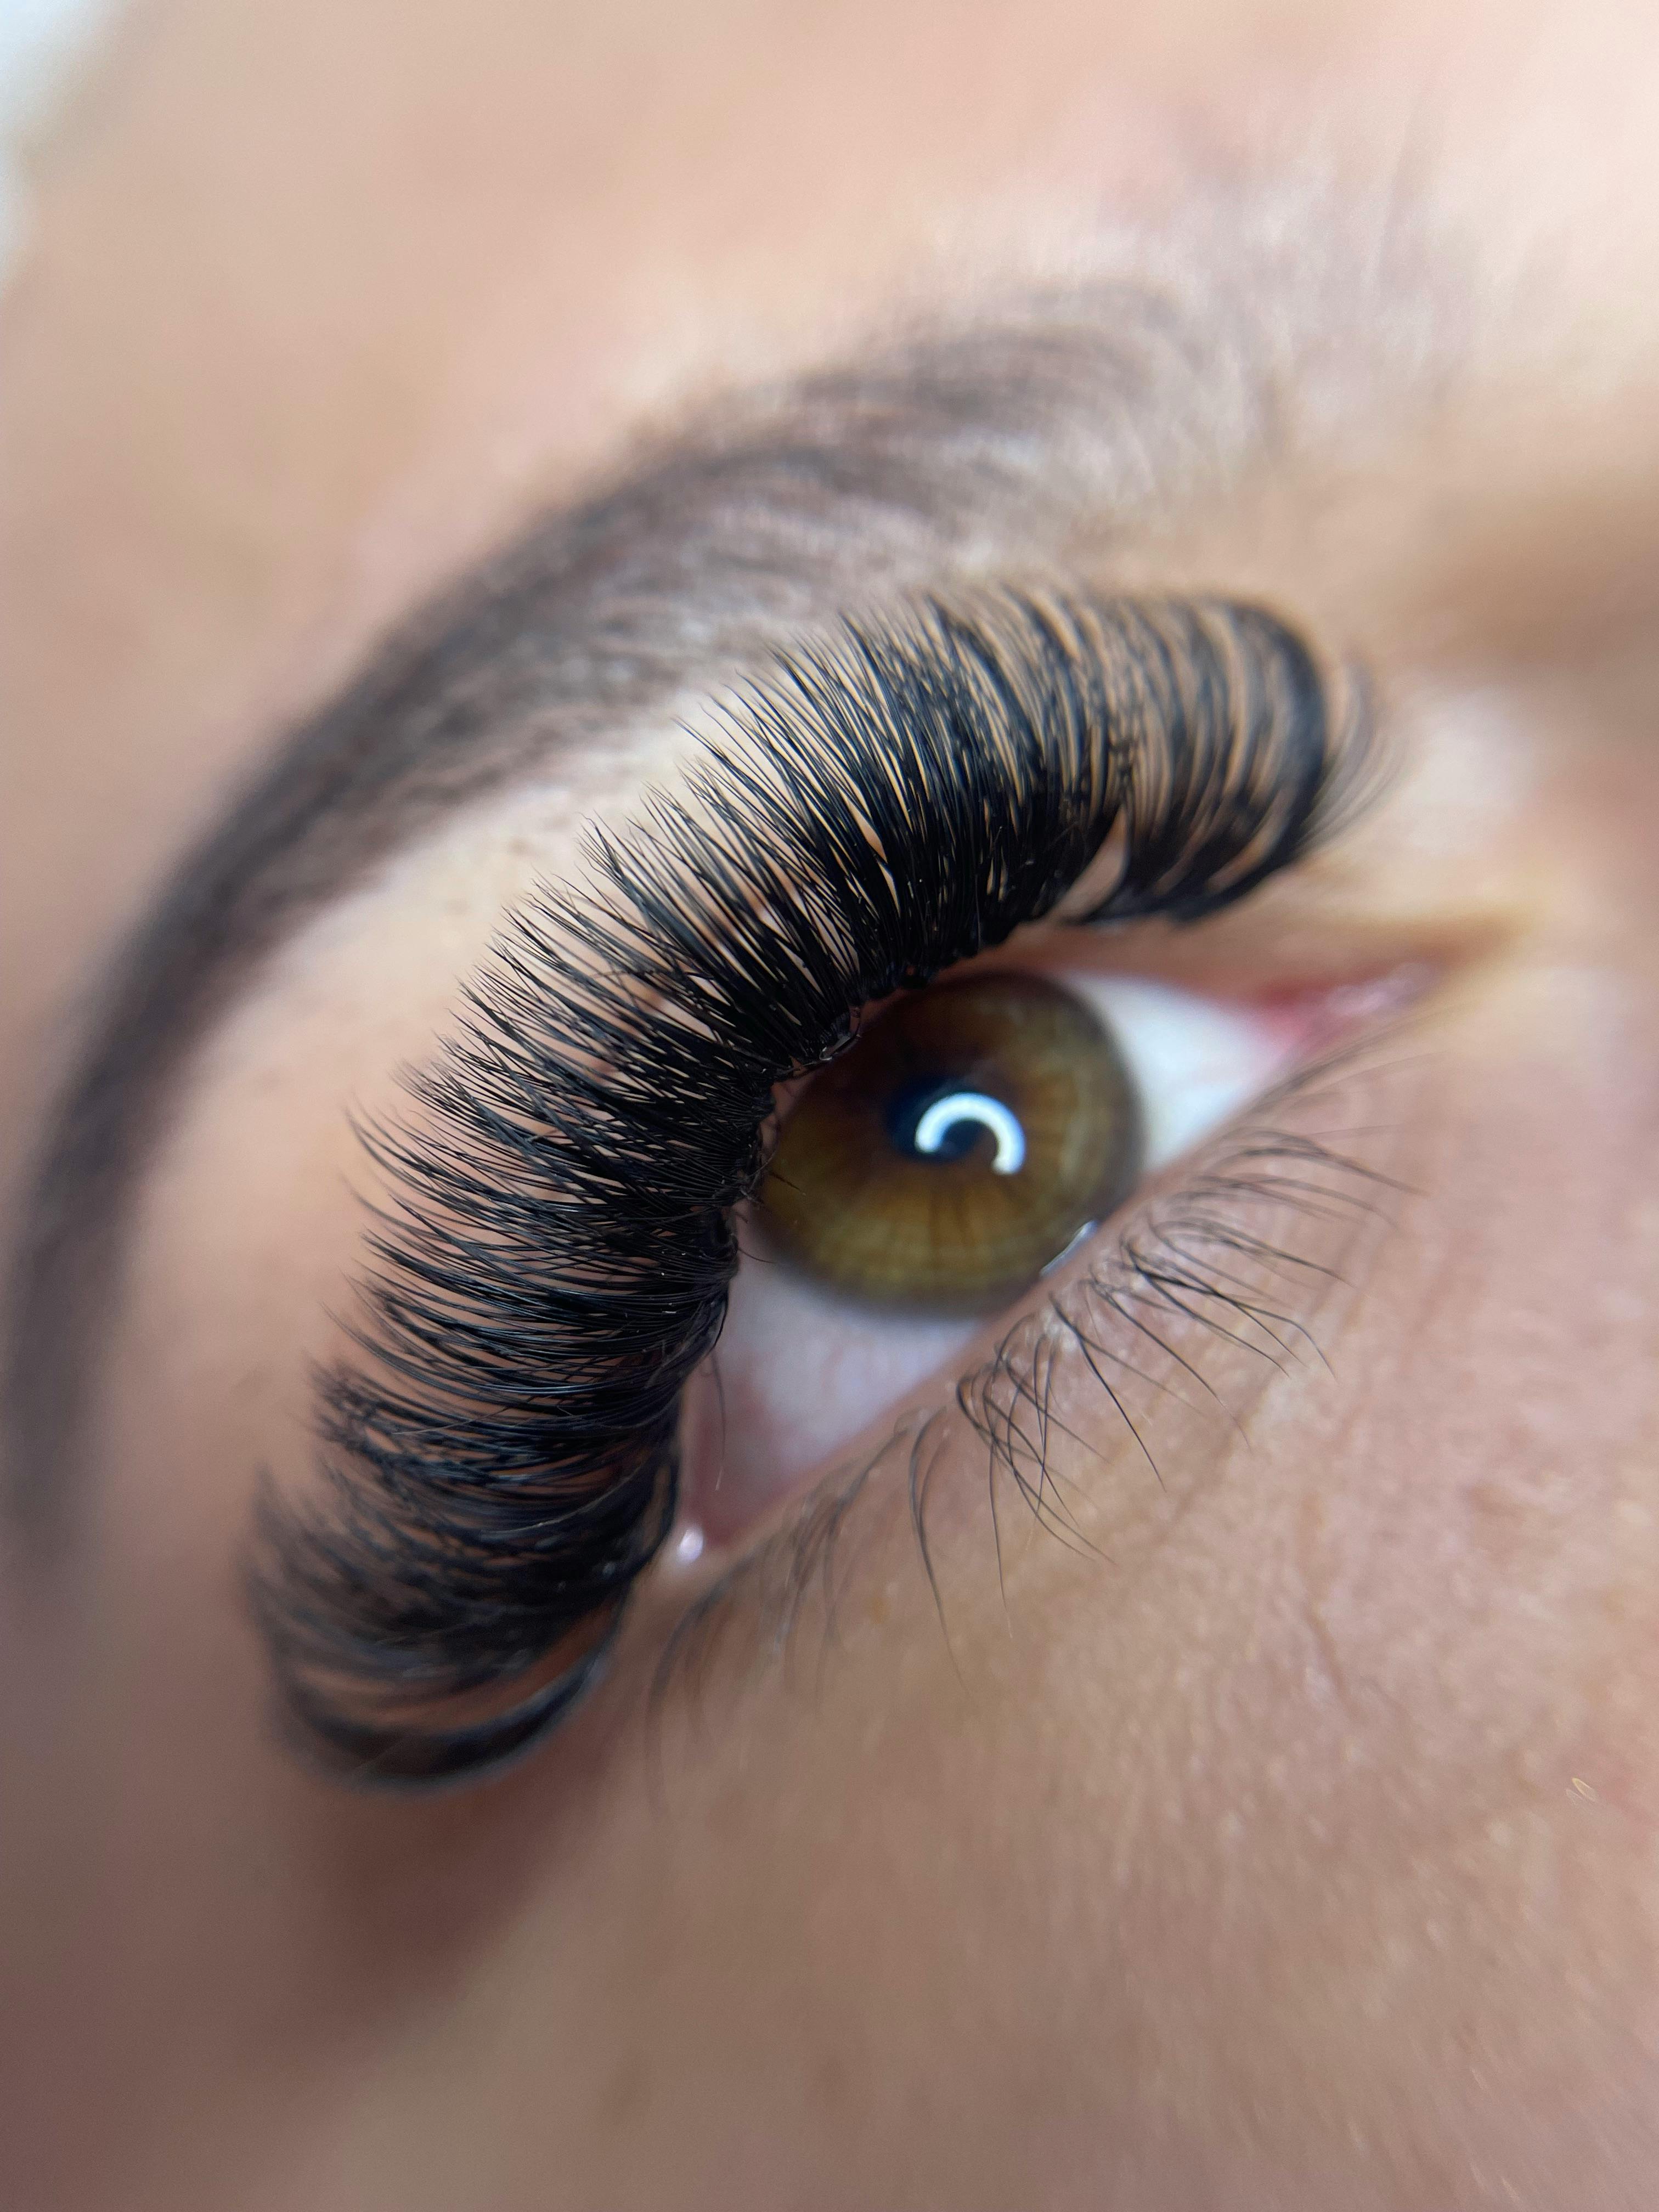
(1069, 412)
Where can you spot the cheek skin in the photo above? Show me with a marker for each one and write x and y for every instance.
(1323, 1819)
(1299, 1851)
(1317, 1811)
(1296, 1855)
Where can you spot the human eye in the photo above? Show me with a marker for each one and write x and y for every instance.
(657, 1061)
(970, 1145)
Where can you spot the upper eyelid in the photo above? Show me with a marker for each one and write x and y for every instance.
(1244, 695)
(685, 570)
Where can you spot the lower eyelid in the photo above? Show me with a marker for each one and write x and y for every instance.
(802, 1371)
(1218, 1284)
(1214, 1286)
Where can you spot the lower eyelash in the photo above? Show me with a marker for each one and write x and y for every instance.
(1241, 1258)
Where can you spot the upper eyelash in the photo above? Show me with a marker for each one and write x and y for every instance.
(554, 1257)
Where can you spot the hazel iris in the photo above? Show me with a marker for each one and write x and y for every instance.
(960, 1146)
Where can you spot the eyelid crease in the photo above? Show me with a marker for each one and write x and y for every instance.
(550, 1265)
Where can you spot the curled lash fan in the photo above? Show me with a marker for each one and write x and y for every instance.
(553, 1263)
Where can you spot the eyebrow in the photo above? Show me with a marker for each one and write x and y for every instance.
(1062, 414)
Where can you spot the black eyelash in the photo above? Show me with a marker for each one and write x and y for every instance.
(553, 1261)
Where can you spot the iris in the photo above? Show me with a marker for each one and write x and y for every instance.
(960, 1146)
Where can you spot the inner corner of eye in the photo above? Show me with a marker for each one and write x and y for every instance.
(975, 1134)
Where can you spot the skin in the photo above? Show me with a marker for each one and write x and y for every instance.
(1298, 1849)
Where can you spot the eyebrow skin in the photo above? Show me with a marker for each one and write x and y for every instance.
(1064, 413)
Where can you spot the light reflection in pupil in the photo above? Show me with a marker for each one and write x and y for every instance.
(950, 1123)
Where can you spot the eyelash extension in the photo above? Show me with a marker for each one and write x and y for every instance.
(551, 1262)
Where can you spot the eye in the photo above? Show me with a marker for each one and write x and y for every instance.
(976, 1133)
(524, 1404)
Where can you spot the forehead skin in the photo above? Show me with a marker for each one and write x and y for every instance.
(1345, 1900)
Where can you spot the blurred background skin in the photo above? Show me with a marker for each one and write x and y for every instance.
(319, 300)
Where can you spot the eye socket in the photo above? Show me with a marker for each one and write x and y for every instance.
(969, 1137)
(858, 1283)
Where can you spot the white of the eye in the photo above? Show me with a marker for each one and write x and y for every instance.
(1195, 1061)
(991, 1114)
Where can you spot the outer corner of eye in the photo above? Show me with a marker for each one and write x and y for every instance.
(976, 1133)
